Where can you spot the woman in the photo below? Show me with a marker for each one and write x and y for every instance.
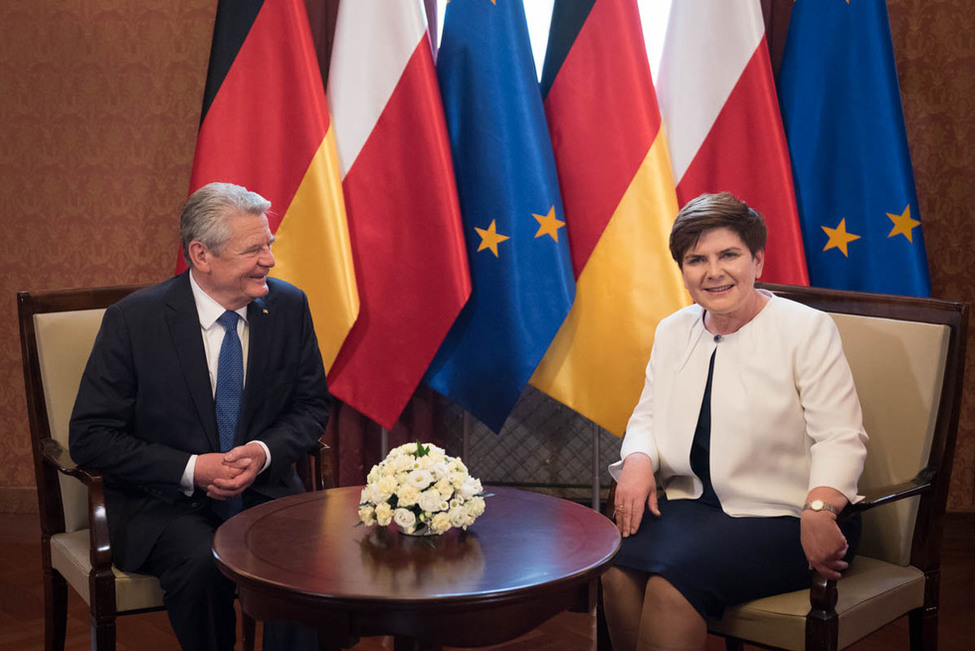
(750, 424)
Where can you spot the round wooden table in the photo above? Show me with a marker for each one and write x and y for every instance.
(527, 558)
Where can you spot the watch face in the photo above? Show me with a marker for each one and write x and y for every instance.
(817, 505)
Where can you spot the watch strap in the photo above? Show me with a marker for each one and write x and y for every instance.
(820, 505)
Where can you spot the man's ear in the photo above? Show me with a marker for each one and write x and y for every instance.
(199, 256)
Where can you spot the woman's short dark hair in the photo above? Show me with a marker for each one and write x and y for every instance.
(709, 211)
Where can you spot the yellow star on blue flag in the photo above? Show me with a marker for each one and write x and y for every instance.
(548, 224)
(844, 122)
(839, 238)
(903, 224)
(490, 237)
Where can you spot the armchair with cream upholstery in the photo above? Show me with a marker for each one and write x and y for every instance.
(57, 332)
(907, 357)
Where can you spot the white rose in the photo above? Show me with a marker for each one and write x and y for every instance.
(438, 470)
(470, 487)
(370, 494)
(404, 518)
(458, 517)
(419, 479)
(430, 501)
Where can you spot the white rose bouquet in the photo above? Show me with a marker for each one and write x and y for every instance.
(422, 490)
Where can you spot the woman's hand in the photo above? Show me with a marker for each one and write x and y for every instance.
(824, 543)
(635, 488)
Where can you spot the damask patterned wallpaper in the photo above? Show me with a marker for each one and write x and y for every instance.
(934, 43)
(99, 105)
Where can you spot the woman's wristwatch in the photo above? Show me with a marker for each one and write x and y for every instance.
(820, 505)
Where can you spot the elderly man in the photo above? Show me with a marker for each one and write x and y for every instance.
(200, 394)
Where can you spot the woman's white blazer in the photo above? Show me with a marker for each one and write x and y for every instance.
(785, 417)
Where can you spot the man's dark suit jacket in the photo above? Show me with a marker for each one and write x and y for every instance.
(145, 405)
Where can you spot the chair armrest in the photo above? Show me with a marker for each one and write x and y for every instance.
(101, 546)
(55, 455)
(822, 592)
(921, 483)
(315, 470)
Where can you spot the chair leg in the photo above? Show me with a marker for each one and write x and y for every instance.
(102, 633)
(55, 610)
(734, 644)
(923, 626)
(821, 634)
(822, 622)
(101, 609)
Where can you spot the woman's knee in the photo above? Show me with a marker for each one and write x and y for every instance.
(624, 582)
(661, 596)
(669, 620)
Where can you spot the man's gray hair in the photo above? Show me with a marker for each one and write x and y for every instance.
(206, 214)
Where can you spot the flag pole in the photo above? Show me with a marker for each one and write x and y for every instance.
(595, 466)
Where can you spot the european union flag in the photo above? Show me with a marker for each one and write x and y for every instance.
(517, 245)
(841, 107)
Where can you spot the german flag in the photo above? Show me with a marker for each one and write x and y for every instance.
(620, 203)
(265, 125)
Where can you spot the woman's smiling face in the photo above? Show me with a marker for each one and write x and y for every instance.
(720, 272)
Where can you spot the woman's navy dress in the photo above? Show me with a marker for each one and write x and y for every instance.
(714, 559)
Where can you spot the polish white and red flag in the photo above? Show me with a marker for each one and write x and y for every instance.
(721, 117)
(401, 200)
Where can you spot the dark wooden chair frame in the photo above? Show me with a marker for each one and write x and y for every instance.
(931, 482)
(51, 460)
